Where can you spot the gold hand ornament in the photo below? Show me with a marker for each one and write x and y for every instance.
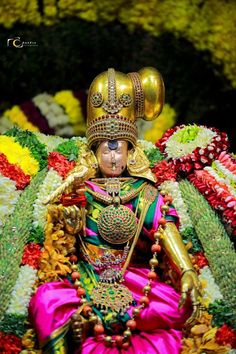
(179, 258)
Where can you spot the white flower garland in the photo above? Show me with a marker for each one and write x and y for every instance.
(50, 183)
(67, 130)
(8, 197)
(22, 291)
(176, 149)
(146, 145)
(51, 110)
(211, 291)
(173, 189)
(50, 141)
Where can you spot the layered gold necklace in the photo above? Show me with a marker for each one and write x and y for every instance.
(117, 225)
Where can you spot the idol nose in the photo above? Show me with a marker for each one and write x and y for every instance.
(113, 157)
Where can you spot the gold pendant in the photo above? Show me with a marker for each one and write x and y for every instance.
(115, 297)
(117, 224)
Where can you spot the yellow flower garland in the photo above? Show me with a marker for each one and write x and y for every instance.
(16, 116)
(23, 11)
(18, 155)
(209, 25)
(54, 260)
(73, 109)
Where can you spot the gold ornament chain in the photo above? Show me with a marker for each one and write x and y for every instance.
(107, 199)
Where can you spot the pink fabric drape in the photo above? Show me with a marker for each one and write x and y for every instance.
(159, 323)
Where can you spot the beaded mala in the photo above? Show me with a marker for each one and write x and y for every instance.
(121, 341)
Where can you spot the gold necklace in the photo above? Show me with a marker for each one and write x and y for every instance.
(110, 293)
(117, 223)
(108, 199)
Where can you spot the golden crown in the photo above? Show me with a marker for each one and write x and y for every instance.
(116, 100)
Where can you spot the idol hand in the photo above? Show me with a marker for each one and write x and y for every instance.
(191, 286)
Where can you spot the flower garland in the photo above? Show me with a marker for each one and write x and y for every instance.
(69, 149)
(17, 116)
(215, 242)
(31, 255)
(186, 227)
(35, 117)
(225, 167)
(73, 109)
(217, 194)
(203, 335)
(29, 140)
(192, 147)
(10, 344)
(23, 157)
(172, 187)
(226, 336)
(8, 198)
(50, 183)
(211, 291)
(14, 236)
(214, 172)
(50, 141)
(57, 244)
(60, 163)
(51, 110)
(164, 171)
(13, 172)
(22, 291)
(61, 115)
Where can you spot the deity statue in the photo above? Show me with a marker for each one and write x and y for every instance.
(120, 226)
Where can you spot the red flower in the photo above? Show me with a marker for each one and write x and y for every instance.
(164, 171)
(10, 343)
(31, 255)
(13, 172)
(225, 335)
(60, 163)
(200, 259)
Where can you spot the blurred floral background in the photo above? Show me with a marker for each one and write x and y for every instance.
(67, 43)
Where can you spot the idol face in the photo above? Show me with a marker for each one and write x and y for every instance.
(112, 157)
